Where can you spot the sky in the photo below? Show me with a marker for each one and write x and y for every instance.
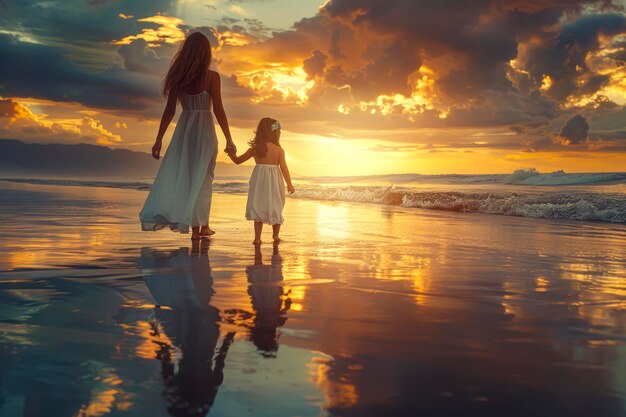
(360, 86)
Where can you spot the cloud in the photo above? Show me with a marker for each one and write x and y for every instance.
(76, 24)
(41, 71)
(358, 68)
(314, 65)
(18, 120)
(564, 59)
(167, 31)
(366, 64)
(92, 128)
(574, 131)
(140, 57)
(467, 63)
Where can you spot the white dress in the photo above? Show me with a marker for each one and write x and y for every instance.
(266, 195)
(180, 196)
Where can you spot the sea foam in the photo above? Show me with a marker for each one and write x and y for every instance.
(577, 206)
(525, 192)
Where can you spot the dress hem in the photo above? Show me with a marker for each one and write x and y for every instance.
(265, 221)
(162, 223)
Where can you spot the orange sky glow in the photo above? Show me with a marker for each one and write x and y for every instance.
(357, 91)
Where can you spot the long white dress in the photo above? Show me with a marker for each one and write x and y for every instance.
(180, 196)
(266, 195)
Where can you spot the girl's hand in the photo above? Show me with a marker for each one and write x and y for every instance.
(230, 148)
(291, 189)
(156, 150)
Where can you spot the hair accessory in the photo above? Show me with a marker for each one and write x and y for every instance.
(275, 126)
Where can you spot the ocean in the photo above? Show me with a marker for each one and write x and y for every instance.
(595, 197)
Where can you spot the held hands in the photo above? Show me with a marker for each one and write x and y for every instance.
(156, 150)
(230, 148)
(291, 189)
(232, 156)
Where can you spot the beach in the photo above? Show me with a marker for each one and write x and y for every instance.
(363, 310)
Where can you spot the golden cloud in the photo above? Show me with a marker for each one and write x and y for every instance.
(167, 32)
(23, 122)
(278, 84)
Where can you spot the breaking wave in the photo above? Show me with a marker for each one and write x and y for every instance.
(525, 192)
(582, 206)
(528, 176)
(532, 177)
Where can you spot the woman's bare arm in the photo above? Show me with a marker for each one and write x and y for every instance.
(220, 113)
(166, 119)
(243, 157)
(283, 168)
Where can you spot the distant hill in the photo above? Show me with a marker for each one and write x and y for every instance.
(22, 159)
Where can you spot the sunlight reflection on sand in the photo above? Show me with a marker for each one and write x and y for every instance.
(363, 309)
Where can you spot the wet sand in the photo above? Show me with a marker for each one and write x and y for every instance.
(363, 310)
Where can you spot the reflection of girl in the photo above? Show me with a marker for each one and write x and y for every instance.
(182, 281)
(267, 301)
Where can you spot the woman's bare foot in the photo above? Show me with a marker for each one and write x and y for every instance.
(257, 242)
(276, 240)
(206, 231)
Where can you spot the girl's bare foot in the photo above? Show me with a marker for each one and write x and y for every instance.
(275, 233)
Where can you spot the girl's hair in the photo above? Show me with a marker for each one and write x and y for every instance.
(262, 135)
(189, 65)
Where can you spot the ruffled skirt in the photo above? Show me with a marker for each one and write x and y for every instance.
(266, 195)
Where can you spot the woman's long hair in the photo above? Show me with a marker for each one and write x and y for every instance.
(189, 65)
(262, 135)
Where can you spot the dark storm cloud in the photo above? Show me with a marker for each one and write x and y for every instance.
(34, 70)
(564, 59)
(502, 109)
(83, 31)
(370, 48)
(355, 50)
(79, 21)
(611, 135)
(75, 59)
(416, 29)
(481, 36)
(138, 56)
(387, 69)
(315, 64)
(574, 131)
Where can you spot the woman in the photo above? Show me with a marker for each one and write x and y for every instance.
(180, 196)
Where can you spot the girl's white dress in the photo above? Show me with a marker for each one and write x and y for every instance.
(180, 196)
(266, 195)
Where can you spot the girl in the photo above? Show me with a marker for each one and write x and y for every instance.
(266, 193)
(181, 194)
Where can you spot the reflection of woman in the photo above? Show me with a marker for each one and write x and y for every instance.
(267, 298)
(182, 281)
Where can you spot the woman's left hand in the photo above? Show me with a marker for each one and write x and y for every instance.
(156, 150)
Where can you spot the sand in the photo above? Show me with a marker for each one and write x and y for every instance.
(363, 310)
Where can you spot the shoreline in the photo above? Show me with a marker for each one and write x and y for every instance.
(580, 203)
